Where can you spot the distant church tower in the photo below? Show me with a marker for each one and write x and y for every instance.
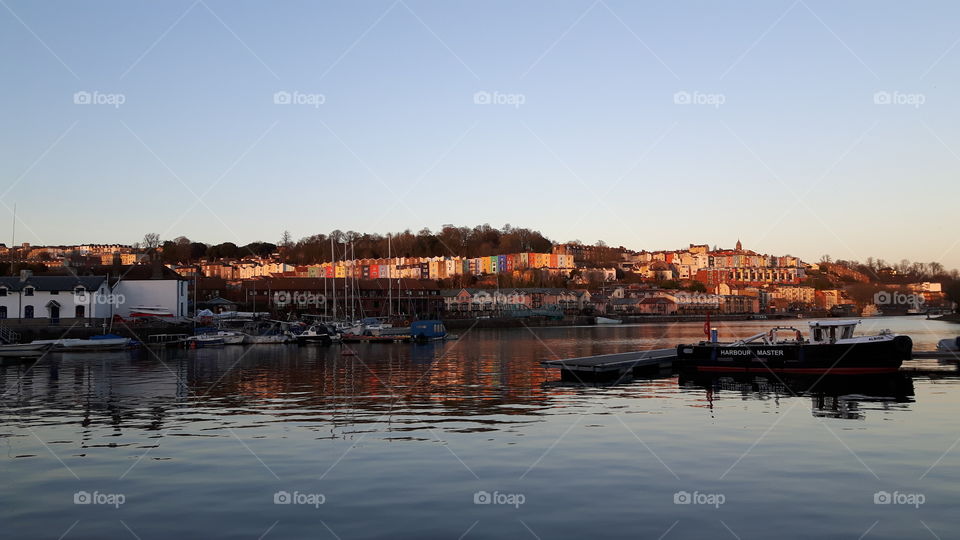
(739, 245)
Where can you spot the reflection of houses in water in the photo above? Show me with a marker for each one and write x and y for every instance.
(834, 396)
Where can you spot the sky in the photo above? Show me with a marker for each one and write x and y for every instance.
(799, 127)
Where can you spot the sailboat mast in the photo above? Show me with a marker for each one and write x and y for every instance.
(333, 268)
(389, 286)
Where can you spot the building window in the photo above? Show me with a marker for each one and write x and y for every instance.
(3, 291)
(3, 312)
(28, 312)
(80, 312)
(54, 292)
(28, 291)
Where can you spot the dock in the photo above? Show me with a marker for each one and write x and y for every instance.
(612, 366)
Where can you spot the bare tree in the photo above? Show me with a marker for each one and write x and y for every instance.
(151, 241)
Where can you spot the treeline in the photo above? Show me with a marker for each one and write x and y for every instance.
(448, 241)
(904, 271)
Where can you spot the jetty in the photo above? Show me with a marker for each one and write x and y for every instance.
(612, 366)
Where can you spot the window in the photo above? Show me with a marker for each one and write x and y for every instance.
(3, 312)
(3, 291)
(54, 292)
(80, 312)
(79, 291)
(28, 291)
(28, 312)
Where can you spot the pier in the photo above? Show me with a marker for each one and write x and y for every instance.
(612, 366)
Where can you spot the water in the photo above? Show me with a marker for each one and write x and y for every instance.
(399, 440)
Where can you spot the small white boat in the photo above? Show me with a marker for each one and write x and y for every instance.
(24, 350)
(92, 345)
(605, 320)
(204, 340)
(150, 311)
(232, 338)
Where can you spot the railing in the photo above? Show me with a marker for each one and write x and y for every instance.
(8, 336)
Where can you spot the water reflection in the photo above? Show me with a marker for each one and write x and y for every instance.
(836, 396)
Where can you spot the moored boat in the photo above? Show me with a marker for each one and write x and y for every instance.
(606, 320)
(108, 342)
(24, 350)
(831, 347)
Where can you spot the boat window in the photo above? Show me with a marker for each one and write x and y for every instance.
(817, 334)
(847, 332)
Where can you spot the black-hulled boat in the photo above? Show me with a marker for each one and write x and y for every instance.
(830, 347)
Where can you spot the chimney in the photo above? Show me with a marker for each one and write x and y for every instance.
(25, 275)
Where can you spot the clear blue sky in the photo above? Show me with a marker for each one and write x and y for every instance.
(797, 159)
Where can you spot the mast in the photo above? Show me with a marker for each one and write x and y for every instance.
(333, 268)
(389, 286)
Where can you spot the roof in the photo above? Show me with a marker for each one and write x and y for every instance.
(841, 322)
(657, 300)
(52, 283)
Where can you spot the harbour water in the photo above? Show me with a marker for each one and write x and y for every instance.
(472, 439)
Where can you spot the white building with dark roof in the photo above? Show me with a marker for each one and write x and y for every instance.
(54, 297)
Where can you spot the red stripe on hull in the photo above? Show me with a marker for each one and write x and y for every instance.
(836, 370)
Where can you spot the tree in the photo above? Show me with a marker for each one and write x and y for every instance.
(151, 241)
(286, 240)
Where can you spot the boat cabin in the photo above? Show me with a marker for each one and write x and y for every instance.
(831, 331)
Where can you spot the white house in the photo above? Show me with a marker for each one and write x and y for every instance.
(53, 297)
(145, 286)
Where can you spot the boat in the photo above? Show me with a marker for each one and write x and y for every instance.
(150, 311)
(949, 345)
(316, 333)
(605, 320)
(428, 330)
(231, 338)
(24, 350)
(106, 342)
(830, 348)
